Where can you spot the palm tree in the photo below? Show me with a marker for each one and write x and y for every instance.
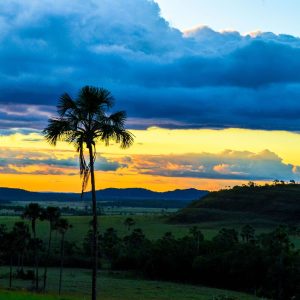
(52, 215)
(129, 222)
(22, 237)
(62, 226)
(7, 248)
(197, 235)
(33, 213)
(83, 122)
(10, 247)
(248, 233)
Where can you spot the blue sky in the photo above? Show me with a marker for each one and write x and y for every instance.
(195, 95)
(199, 79)
(266, 15)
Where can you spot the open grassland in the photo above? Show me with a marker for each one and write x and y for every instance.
(6, 295)
(114, 287)
(154, 226)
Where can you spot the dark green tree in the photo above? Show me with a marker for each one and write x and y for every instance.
(247, 233)
(197, 235)
(33, 213)
(83, 122)
(62, 226)
(226, 238)
(3, 234)
(129, 222)
(21, 235)
(111, 245)
(10, 246)
(52, 215)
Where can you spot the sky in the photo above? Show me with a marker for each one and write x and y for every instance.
(275, 16)
(211, 90)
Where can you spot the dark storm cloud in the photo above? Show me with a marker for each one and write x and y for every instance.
(162, 77)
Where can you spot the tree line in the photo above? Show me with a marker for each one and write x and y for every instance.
(265, 264)
(20, 246)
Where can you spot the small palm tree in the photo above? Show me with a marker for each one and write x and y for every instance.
(197, 235)
(248, 233)
(52, 215)
(62, 226)
(22, 238)
(83, 122)
(129, 222)
(10, 242)
(33, 213)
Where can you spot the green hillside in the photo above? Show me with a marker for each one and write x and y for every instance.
(278, 203)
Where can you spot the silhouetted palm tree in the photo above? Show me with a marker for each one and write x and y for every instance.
(197, 235)
(129, 222)
(3, 236)
(33, 213)
(248, 233)
(62, 226)
(10, 242)
(52, 215)
(22, 238)
(82, 122)
(7, 248)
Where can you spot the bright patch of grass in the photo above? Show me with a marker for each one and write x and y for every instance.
(15, 295)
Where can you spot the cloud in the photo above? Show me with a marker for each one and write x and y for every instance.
(161, 76)
(229, 164)
(226, 165)
(44, 163)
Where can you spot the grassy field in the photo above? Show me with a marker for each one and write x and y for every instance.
(115, 286)
(154, 226)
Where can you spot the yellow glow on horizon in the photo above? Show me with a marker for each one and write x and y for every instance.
(153, 141)
(179, 141)
(65, 183)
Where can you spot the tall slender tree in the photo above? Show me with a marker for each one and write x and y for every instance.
(11, 251)
(197, 235)
(33, 213)
(22, 237)
(83, 122)
(52, 215)
(129, 222)
(62, 226)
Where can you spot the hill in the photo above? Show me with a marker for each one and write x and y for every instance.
(273, 202)
(136, 194)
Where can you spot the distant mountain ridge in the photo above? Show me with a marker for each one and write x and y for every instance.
(110, 194)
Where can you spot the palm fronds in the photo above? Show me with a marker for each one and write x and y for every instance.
(84, 121)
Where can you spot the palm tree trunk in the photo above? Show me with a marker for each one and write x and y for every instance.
(47, 258)
(10, 271)
(95, 227)
(62, 253)
(18, 263)
(37, 273)
(22, 262)
(35, 257)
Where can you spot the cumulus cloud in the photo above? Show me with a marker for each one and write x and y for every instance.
(198, 78)
(227, 165)
(238, 165)
(14, 161)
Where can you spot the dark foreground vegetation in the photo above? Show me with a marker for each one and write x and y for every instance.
(265, 265)
(262, 264)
